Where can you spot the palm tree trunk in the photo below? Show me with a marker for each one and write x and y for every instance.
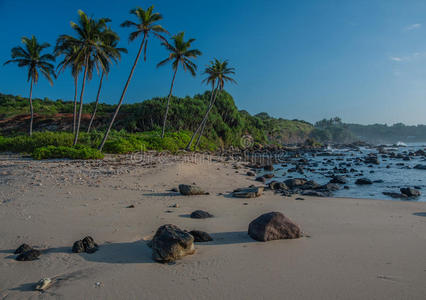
(80, 110)
(31, 107)
(168, 103)
(188, 147)
(96, 104)
(122, 95)
(75, 103)
(205, 120)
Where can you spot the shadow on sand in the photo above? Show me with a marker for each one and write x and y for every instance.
(139, 252)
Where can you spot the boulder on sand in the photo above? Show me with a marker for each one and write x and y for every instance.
(30, 255)
(273, 226)
(23, 248)
(200, 214)
(87, 245)
(250, 192)
(187, 190)
(171, 243)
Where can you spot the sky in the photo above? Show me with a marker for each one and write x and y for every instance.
(363, 61)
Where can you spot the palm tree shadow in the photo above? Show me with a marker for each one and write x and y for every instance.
(121, 253)
(420, 214)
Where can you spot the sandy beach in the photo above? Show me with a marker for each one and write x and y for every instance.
(351, 249)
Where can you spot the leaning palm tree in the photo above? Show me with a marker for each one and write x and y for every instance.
(145, 26)
(218, 71)
(31, 57)
(111, 39)
(180, 54)
(92, 51)
(76, 67)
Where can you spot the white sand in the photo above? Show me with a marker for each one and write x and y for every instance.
(355, 249)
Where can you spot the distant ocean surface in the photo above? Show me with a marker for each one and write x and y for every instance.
(400, 173)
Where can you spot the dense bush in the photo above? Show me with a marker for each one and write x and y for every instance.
(77, 152)
(119, 142)
(225, 127)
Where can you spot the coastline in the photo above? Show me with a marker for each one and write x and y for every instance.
(352, 249)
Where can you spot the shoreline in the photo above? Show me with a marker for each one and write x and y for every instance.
(352, 249)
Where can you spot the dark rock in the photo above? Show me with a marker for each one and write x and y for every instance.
(362, 181)
(87, 245)
(200, 214)
(250, 192)
(188, 190)
(372, 160)
(78, 247)
(130, 206)
(273, 226)
(200, 236)
(420, 167)
(295, 182)
(330, 187)
(23, 248)
(316, 193)
(338, 179)
(30, 255)
(410, 192)
(250, 173)
(171, 243)
(276, 185)
(395, 195)
(268, 168)
(269, 175)
(261, 179)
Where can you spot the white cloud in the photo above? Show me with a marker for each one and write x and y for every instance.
(408, 58)
(413, 26)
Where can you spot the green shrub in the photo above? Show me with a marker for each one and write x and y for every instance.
(77, 152)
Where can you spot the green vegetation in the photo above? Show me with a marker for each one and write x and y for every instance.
(140, 125)
(75, 152)
(59, 144)
(332, 131)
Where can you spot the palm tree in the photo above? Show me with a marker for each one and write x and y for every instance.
(180, 54)
(111, 39)
(145, 26)
(76, 67)
(218, 71)
(32, 58)
(91, 51)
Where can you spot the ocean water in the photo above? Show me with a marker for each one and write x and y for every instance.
(400, 173)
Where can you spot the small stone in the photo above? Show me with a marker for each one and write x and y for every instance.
(200, 236)
(130, 206)
(43, 284)
(23, 248)
(200, 214)
(30, 255)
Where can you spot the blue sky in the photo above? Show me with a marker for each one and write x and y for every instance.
(364, 61)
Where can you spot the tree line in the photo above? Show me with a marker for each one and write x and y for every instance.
(94, 47)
